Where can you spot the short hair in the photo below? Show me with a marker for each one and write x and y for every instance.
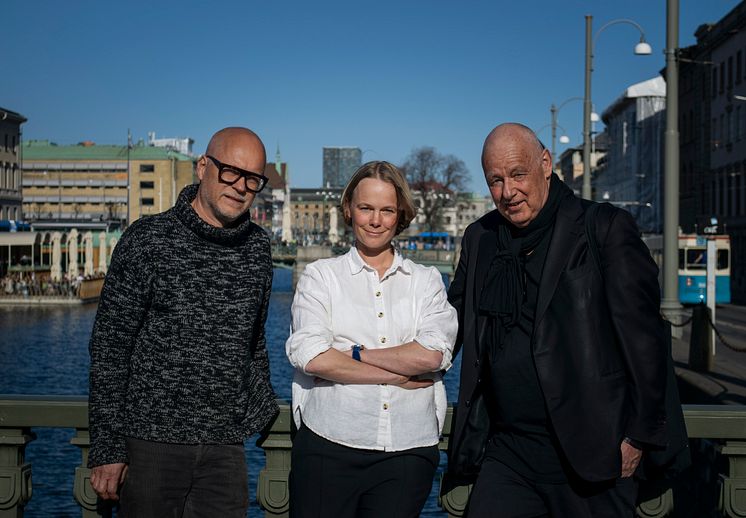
(389, 173)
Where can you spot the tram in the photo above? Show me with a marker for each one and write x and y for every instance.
(693, 268)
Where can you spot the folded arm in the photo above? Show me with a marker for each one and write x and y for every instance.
(309, 347)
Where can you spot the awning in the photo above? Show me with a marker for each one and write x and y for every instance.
(18, 238)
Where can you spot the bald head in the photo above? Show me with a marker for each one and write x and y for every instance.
(511, 133)
(518, 170)
(237, 137)
(219, 202)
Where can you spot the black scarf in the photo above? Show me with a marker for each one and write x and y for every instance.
(504, 286)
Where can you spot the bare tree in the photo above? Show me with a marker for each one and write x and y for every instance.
(436, 181)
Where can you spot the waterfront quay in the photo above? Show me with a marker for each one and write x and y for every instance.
(44, 435)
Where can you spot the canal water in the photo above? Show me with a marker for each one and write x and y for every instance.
(45, 351)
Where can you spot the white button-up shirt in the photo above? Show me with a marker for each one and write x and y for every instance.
(340, 302)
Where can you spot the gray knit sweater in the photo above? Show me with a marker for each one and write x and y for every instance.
(178, 350)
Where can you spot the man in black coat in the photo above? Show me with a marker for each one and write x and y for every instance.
(564, 358)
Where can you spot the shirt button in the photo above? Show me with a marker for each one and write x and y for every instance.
(383, 339)
(380, 314)
(378, 294)
(385, 406)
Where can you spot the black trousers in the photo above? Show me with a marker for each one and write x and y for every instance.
(184, 481)
(500, 492)
(328, 480)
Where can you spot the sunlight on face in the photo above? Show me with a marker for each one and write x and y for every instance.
(374, 215)
(518, 180)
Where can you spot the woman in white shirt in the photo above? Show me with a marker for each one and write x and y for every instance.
(372, 333)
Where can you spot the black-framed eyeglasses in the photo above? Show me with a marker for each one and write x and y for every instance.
(230, 174)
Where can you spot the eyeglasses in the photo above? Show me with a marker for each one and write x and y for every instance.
(230, 174)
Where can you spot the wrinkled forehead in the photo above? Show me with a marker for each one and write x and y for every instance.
(510, 153)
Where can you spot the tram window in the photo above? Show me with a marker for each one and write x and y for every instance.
(696, 258)
(723, 259)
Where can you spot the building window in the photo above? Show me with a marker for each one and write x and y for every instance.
(723, 136)
(738, 123)
(730, 72)
(722, 77)
(714, 82)
(739, 67)
(147, 202)
(147, 168)
(147, 185)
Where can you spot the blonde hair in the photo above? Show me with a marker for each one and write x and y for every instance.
(389, 173)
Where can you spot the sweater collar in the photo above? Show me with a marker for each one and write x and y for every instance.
(222, 236)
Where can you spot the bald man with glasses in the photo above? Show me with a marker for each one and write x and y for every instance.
(179, 369)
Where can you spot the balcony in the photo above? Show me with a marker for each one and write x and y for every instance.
(723, 426)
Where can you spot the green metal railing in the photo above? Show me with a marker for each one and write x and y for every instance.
(20, 414)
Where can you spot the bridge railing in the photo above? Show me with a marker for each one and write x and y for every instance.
(724, 425)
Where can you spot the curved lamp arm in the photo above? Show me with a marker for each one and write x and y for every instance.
(641, 48)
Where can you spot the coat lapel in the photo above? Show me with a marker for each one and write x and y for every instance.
(485, 254)
(565, 234)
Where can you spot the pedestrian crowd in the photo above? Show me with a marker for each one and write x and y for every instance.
(26, 285)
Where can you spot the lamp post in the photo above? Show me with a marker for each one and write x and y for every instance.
(554, 110)
(670, 306)
(641, 49)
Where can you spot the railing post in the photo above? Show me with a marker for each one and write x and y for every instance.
(272, 489)
(656, 499)
(733, 486)
(15, 473)
(454, 501)
(82, 489)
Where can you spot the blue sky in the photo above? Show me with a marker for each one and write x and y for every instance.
(386, 76)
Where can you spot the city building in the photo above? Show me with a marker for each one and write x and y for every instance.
(632, 176)
(458, 211)
(10, 165)
(339, 165)
(267, 209)
(571, 163)
(182, 145)
(313, 212)
(712, 135)
(468, 208)
(69, 185)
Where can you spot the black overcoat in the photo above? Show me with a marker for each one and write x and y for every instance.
(598, 343)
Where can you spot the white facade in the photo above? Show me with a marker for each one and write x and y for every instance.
(182, 145)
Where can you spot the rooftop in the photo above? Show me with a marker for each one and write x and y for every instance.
(5, 114)
(46, 150)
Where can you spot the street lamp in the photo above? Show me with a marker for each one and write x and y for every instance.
(564, 139)
(641, 49)
(670, 306)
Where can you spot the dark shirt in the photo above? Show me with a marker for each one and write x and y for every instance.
(523, 439)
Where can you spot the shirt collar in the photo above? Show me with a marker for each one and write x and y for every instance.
(357, 264)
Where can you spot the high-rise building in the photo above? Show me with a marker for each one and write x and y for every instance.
(339, 165)
(10, 168)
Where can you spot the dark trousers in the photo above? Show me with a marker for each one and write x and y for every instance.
(328, 480)
(184, 481)
(500, 492)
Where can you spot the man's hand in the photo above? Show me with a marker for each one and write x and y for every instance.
(630, 459)
(106, 479)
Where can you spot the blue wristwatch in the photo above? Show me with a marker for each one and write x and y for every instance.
(356, 352)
